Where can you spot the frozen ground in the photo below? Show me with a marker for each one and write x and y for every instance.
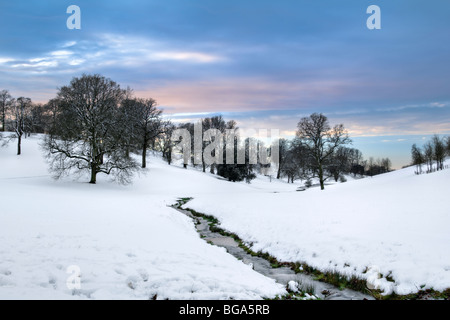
(130, 245)
(125, 240)
(396, 225)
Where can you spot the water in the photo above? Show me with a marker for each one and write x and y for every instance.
(282, 274)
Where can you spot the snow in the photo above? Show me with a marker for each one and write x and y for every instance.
(293, 286)
(126, 241)
(130, 245)
(397, 223)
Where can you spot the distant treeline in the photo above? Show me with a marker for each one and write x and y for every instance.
(94, 125)
(431, 156)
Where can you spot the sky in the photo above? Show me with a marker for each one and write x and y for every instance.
(265, 64)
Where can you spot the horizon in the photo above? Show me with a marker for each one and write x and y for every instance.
(264, 64)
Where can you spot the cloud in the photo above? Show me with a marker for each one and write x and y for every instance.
(61, 53)
(76, 62)
(195, 57)
(408, 124)
(111, 51)
(241, 94)
(5, 60)
(142, 50)
(36, 64)
(69, 44)
(445, 104)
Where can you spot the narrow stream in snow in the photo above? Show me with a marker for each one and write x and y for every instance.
(282, 274)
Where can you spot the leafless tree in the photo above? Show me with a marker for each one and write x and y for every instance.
(21, 120)
(438, 151)
(321, 140)
(429, 154)
(87, 133)
(283, 145)
(417, 158)
(5, 102)
(447, 145)
(165, 142)
(147, 123)
(339, 163)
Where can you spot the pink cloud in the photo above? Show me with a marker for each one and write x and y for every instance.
(248, 94)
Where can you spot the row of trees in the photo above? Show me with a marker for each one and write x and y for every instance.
(19, 116)
(212, 136)
(433, 151)
(94, 125)
(320, 151)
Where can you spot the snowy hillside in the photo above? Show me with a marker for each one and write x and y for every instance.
(125, 241)
(130, 245)
(397, 224)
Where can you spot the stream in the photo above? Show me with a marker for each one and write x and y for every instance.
(282, 275)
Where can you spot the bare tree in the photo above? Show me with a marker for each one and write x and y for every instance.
(321, 140)
(147, 124)
(428, 153)
(297, 163)
(378, 166)
(283, 152)
(49, 113)
(21, 122)
(218, 123)
(87, 133)
(237, 171)
(370, 166)
(386, 165)
(417, 158)
(356, 159)
(438, 151)
(190, 128)
(5, 101)
(339, 162)
(165, 143)
(447, 145)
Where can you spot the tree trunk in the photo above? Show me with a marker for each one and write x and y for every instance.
(19, 145)
(3, 121)
(322, 185)
(280, 160)
(93, 174)
(144, 157)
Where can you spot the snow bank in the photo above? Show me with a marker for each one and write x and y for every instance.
(125, 241)
(397, 223)
(130, 245)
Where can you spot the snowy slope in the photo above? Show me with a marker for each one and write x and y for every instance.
(123, 237)
(397, 223)
(125, 240)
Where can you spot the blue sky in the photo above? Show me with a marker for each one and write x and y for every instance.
(264, 63)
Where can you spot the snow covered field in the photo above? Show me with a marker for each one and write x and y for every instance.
(396, 224)
(125, 240)
(130, 245)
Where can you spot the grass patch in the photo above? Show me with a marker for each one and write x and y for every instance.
(303, 293)
(428, 294)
